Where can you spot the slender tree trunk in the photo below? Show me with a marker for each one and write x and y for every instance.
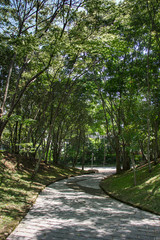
(118, 156)
(48, 145)
(50, 153)
(156, 143)
(55, 154)
(142, 150)
(19, 137)
(37, 167)
(134, 169)
(118, 163)
(11, 137)
(148, 97)
(49, 133)
(7, 83)
(15, 137)
(83, 157)
(104, 157)
(2, 126)
(78, 150)
(92, 160)
(126, 158)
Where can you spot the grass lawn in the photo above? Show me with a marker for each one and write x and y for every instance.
(145, 195)
(18, 192)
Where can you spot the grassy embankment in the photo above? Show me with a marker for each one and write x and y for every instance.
(146, 193)
(18, 192)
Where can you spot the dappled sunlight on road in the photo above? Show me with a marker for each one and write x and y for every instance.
(61, 212)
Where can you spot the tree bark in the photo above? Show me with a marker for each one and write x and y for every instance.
(7, 84)
(15, 138)
(118, 156)
(83, 157)
(134, 169)
(148, 97)
(126, 158)
(78, 150)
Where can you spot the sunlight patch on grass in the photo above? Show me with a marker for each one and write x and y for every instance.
(153, 180)
(145, 194)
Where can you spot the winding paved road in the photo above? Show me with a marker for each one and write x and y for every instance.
(77, 209)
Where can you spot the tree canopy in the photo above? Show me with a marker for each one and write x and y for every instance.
(81, 77)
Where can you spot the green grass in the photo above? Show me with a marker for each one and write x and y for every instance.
(18, 192)
(145, 195)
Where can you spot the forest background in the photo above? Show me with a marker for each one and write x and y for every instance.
(79, 81)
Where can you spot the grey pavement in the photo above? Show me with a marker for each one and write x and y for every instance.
(69, 210)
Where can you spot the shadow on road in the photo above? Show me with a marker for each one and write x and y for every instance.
(62, 213)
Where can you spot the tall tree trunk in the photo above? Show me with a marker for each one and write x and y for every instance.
(48, 145)
(55, 155)
(19, 137)
(104, 156)
(83, 157)
(37, 167)
(156, 143)
(15, 138)
(134, 168)
(118, 156)
(148, 97)
(7, 84)
(2, 126)
(49, 134)
(28, 83)
(78, 150)
(142, 150)
(126, 158)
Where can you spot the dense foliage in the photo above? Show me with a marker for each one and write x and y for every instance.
(79, 80)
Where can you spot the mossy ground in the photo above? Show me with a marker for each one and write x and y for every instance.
(146, 193)
(18, 191)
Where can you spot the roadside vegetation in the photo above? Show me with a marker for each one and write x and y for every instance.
(145, 194)
(79, 84)
(18, 191)
(80, 80)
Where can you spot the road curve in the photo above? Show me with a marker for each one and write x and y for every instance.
(76, 209)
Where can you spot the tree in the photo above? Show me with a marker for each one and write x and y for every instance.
(78, 68)
(26, 29)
